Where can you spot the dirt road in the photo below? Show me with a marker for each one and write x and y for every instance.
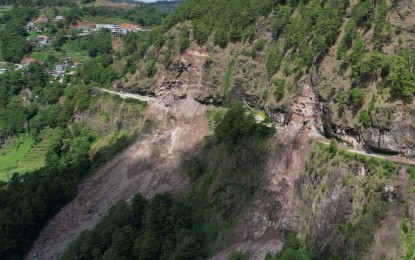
(392, 158)
(154, 163)
(128, 95)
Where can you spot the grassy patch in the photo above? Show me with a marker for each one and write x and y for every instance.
(70, 50)
(215, 116)
(381, 167)
(408, 239)
(105, 20)
(411, 171)
(4, 9)
(229, 76)
(12, 153)
(23, 155)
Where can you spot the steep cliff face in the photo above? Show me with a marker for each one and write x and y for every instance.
(397, 138)
(339, 203)
(173, 130)
(330, 203)
(348, 206)
(242, 70)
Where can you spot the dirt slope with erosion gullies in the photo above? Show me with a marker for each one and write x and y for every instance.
(381, 120)
(153, 164)
(235, 73)
(301, 182)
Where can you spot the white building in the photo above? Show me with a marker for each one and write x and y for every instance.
(58, 18)
(114, 28)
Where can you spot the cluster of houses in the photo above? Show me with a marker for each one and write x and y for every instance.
(63, 67)
(85, 28)
(39, 26)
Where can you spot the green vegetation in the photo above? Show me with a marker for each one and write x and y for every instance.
(238, 256)
(258, 47)
(23, 155)
(4, 9)
(401, 80)
(273, 60)
(340, 172)
(238, 124)
(333, 148)
(293, 249)
(280, 90)
(184, 41)
(357, 96)
(411, 171)
(105, 19)
(11, 154)
(382, 27)
(229, 76)
(191, 227)
(215, 116)
(97, 43)
(69, 50)
(365, 118)
(13, 43)
(408, 239)
(55, 150)
(145, 230)
(228, 171)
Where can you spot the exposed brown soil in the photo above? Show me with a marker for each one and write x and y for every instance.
(274, 210)
(153, 164)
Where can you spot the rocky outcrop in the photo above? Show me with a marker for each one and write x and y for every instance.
(397, 138)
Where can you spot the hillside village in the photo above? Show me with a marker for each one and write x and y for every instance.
(42, 34)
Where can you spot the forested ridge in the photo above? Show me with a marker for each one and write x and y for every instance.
(264, 49)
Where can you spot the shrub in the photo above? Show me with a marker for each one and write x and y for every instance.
(333, 148)
(357, 96)
(150, 67)
(280, 90)
(401, 80)
(273, 60)
(411, 171)
(365, 118)
(194, 168)
(238, 256)
(293, 249)
(238, 124)
(258, 46)
(183, 38)
(221, 37)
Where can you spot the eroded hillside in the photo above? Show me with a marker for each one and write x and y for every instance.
(320, 69)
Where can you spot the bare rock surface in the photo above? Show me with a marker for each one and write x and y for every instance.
(152, 164)
(274, 210)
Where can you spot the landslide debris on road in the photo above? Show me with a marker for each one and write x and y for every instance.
(152, 164)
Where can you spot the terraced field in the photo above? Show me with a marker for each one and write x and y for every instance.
(22, 155)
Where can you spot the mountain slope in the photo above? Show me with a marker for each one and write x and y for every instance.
(318, 69)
